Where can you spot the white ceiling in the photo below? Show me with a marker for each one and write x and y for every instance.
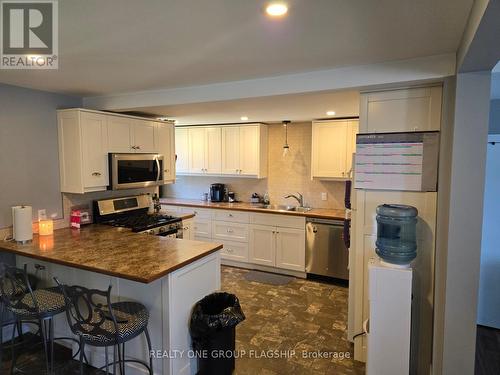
(118, 46)
(303, 107)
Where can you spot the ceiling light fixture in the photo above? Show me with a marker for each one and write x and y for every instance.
(276, 9)
(330, 113)
(286, 148)
(244, 118)
(162, 118)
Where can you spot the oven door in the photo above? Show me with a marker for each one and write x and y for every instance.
(171, 233)
(130, 171)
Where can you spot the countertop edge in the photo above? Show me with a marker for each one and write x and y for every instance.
(111, 273)
(165, 201)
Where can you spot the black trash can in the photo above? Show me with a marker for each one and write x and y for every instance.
(212, 327)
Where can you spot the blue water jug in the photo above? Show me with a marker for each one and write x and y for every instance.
(396, 233)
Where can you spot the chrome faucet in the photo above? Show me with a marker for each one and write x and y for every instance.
(299, 198)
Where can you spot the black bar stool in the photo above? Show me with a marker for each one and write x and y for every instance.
(6, 319)
(28, 306)
(100, 323)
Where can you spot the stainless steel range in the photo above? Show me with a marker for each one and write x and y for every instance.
(132, 212)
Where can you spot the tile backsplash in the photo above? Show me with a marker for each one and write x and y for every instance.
(289, 174)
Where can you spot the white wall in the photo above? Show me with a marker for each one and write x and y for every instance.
(488, 312)
(465, 223)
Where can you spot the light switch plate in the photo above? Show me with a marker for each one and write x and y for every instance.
(324, 196)
(42, 214)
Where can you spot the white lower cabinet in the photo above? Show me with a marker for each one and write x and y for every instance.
(277, 247)
(224, 230)
(202, 228)
(270, 240)
(187, 229)
(237, 251)
(262, 245)
(290, 249)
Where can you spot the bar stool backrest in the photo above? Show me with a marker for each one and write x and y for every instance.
(15, 287)
(89, 311)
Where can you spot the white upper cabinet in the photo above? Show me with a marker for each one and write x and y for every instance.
(143, 136)
(94, 150)
(333, 143)
(415, 109)
(181, 150)
(197, 150)
(83, 155)
(213, 151)
(244, 150)
(165, 137)
(131, 135)
(239, 150)
(250, 150)
(231, 150)
(86, 138)
(119, 134)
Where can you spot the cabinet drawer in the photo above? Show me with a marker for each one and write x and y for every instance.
(230, 231)
(202, 227)
(202, 213)
(202, 238)
(232, 216)
(170, 208)
(285, 221)
(235, 251)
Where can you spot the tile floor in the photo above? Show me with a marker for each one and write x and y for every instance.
(304, 316)
(301, 317)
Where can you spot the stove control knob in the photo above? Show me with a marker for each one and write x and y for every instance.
(162, 229)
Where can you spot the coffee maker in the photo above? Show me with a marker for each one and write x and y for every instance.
(217, 192)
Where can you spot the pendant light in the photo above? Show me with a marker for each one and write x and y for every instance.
(286, 148)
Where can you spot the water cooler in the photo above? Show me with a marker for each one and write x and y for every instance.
(390, 291)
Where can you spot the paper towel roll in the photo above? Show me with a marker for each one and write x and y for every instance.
(22, 218)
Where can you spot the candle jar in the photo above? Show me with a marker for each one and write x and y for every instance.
(45, 227)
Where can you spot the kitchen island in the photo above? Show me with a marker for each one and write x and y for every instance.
(167, 275)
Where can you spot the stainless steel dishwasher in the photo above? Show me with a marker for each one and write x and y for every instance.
(326, 253)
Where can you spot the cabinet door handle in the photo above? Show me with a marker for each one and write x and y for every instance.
(138, 147)
(230, 231)
(185, 228)
(229, 250)
(96, 174)
(230, 215)
(166, 170)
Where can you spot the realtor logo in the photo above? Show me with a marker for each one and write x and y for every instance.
(29, 34)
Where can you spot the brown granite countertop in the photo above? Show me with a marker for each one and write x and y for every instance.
(114, 251)
(318, 213)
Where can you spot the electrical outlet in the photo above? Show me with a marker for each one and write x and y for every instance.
(42, 214)
(324, 196)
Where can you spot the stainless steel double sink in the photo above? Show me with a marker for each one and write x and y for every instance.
(283, 207)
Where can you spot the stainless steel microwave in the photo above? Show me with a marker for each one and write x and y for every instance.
(130, 171)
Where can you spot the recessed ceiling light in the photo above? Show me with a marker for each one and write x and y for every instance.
(276, 9)
(330, 113)
(244, 118)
